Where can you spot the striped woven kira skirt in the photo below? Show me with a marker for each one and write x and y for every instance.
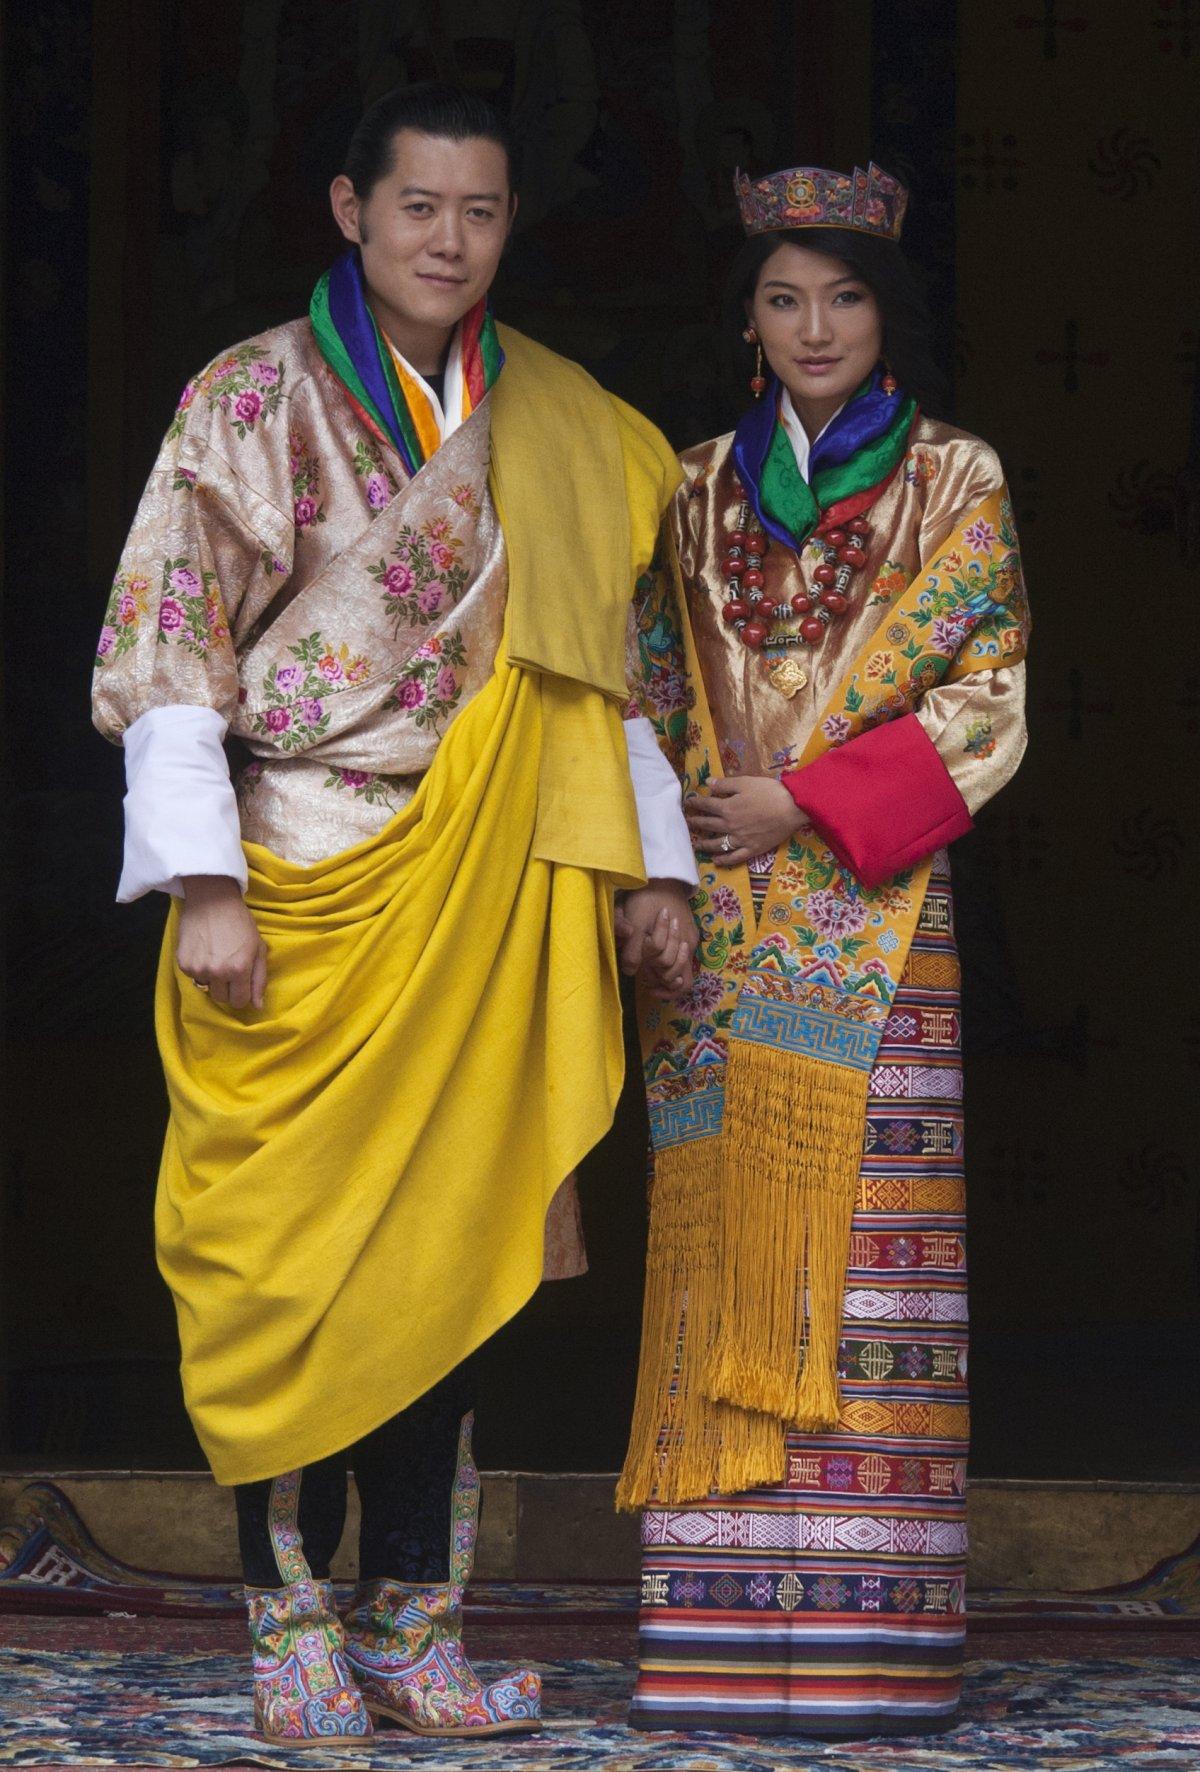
(833, 1605)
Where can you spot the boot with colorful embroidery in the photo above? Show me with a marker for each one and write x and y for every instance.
(303, 1689)
(404, 1642)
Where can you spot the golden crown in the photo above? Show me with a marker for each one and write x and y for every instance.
(812, 197)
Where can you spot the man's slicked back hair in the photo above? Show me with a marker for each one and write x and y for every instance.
(431, 108)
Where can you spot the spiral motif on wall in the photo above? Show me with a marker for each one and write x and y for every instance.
(1124, 165)
(1143, 499)
(1153, 1175)
(1150, 845)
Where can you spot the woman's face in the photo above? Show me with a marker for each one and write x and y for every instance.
(820, 325)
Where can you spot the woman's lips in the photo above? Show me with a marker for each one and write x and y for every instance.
(817, 365)
(441, 282)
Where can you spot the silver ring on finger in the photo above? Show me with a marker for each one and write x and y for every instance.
(726, 844)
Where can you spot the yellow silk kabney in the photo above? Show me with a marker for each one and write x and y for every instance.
(759, 1129)
(355, 1178)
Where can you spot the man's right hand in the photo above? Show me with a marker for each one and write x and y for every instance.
(219, 945)
(657, 936)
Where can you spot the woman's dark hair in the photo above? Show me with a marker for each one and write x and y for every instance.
(431, 108)
(907, 328)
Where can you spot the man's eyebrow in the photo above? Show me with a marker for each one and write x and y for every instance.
(471, 197)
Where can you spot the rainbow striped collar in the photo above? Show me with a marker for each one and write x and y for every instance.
(387, 391)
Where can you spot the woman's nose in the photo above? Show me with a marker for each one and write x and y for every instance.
(814, 324)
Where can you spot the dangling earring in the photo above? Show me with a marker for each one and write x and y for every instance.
(758, 380)
(889, 383)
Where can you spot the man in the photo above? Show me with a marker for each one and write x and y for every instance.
(389, 548)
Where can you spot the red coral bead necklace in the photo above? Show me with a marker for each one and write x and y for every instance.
(757, 616)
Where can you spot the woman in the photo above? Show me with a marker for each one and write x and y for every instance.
(377, 548)
(839, 681)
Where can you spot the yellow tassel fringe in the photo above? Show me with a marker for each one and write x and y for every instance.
(794, 1131)
(741, 1226)
(672, 1429)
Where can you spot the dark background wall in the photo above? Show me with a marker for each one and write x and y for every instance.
(168, 167)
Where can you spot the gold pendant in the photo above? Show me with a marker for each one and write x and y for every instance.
(788, 675)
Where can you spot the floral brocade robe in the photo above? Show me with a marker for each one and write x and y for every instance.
(284, 571)
(976, 722)
(271, 576)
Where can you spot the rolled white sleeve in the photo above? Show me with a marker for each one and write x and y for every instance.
(181, 813)
(666, 840)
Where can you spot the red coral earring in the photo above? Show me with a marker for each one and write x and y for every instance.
(758, 380)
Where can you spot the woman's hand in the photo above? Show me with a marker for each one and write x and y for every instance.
(747, 815)
(219, 945)
(657, 937)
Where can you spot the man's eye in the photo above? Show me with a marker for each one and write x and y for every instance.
(482, 214)
(419, 208)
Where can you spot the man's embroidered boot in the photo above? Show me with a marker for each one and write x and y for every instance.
(404, 1641)
(303, 1689)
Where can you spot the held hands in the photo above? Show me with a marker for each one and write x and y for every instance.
(736, 819)
(657, 936)
(219, 946)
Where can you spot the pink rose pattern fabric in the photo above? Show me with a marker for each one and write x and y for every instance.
(283, 570)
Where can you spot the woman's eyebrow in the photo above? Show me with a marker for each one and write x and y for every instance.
(832, 283)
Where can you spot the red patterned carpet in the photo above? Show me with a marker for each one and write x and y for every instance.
(104, 1665)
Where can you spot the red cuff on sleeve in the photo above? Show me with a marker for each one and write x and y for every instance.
(883, 801)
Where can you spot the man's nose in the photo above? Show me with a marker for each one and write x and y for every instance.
(446, 240)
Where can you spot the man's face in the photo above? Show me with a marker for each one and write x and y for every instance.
(433, 229)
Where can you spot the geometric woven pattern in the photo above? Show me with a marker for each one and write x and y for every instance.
(862, 1548)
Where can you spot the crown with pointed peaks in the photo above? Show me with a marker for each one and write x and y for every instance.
(873, 201)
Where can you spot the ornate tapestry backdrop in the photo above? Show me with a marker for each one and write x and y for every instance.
(168, 168)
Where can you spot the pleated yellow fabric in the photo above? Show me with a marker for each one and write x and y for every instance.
(558, 436)
(355, 1178)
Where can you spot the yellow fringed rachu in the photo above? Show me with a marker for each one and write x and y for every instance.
(355, 1178)
(758, 1111)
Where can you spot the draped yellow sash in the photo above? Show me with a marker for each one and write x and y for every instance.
(355, 1178)
(442, 1010)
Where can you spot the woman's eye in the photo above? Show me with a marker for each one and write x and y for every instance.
(782, 301)
(848, 298)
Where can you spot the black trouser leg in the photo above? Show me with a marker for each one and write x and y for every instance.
(271, 1513)
(405, 1476)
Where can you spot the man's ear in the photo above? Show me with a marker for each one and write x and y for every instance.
(347, 208)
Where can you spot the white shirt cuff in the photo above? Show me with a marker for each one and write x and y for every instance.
(181, 814)
(666, 840)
